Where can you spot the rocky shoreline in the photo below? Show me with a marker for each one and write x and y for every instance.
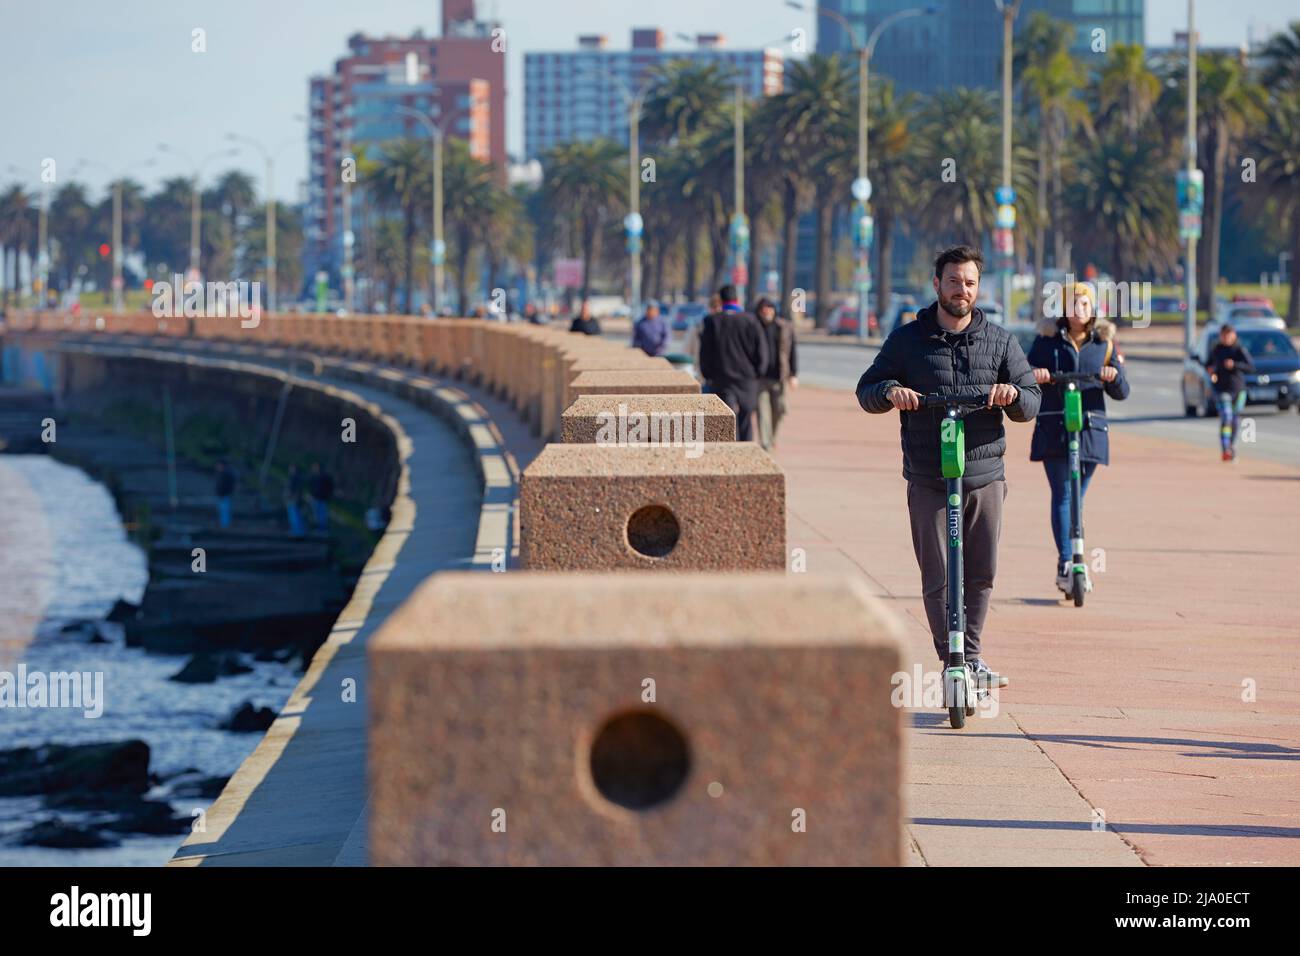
(256, 595)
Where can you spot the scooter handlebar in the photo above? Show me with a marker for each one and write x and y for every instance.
(1064, 378)
(961, 400)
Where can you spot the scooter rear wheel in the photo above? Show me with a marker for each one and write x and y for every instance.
(1077, 589)
(957, 717)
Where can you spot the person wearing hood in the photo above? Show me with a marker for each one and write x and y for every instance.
(951, 349)
(1078, 342)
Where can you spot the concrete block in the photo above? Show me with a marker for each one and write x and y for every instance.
(638, 719)
(647, 418)
(687, 508)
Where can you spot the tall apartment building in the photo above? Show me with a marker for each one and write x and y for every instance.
(457, 79)
(573, 95)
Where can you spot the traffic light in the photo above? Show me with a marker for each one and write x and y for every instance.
(104, 249)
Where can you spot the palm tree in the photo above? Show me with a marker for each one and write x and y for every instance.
(73, 229)
(1050, 78)
(812, 118)
(1228, 103)
(1277, 143)
(468, 186)
(786, 158)
(403, 182)
(1281, 56)
(17, 227)
(1126, 89)
(683, 98)
(583, 183)
(893, 172)
(962, 125)
(165, 229)
(1121, 189)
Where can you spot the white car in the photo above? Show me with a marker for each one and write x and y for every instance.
(1258, 314)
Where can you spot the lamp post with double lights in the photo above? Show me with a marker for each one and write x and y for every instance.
(195, 199)
(116, 242)
(633, 224)
(1004, 243)
(269, 157)
(863, 224)
(437, 248)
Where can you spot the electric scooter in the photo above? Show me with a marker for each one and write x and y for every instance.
(1080, 582)
(959, 691)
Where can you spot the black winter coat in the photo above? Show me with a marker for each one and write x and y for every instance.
(1054, 351)
(925, 358)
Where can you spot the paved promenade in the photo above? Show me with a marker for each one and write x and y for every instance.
(1160, 723)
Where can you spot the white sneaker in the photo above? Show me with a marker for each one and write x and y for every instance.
(1063, 578)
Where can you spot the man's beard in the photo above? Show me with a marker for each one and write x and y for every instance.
(958, 310)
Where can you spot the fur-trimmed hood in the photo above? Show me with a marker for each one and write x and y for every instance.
(1104, 329)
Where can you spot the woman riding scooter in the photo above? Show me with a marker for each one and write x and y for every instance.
(1078, 342)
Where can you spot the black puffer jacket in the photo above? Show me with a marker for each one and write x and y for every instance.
(923, 357)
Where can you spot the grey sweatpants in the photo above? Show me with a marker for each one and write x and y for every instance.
(982, 525)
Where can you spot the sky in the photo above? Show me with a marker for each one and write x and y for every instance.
(107, 82)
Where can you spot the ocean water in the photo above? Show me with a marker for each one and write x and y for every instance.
(64, 556)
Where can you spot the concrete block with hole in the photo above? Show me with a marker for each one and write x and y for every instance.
(690, 507)
(647, 419)
(636, 719)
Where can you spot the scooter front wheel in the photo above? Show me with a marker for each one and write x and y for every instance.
(1077, 588)
(957, 717)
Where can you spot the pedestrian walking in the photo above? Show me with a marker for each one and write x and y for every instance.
(294, 486)
(650, 333)
(225, 490)
(584, 321)
(781, 372)
(321, 489)
(733, 356)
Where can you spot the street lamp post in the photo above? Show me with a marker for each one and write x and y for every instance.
(118, 252)
(438, 248)
(271, 266)
(195, 201)
(633, 224)
(863, 225)
(1193, 230)
(1006, 196)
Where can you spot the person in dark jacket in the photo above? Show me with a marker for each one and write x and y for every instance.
(584, 321)
(225, 489)
(1228, 363)
(951, 349)
(1079, 342)
(321, 489)
(294, 486)
(650, 334)
(781, 373)
(733, 355)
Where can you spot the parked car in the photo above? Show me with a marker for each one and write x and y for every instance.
(1257, 312)
(1168, 303)
(845, 320)
(1275, 381)
(687, 315)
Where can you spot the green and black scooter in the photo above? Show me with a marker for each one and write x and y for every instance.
(1080, 581)
(959, 691)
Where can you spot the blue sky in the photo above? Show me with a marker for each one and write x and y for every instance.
(108, 81)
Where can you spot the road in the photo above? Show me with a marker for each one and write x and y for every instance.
(1154, 407)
